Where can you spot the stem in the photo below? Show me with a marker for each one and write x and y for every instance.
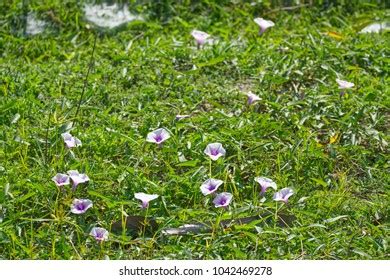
(276, 212)
(47, 138)
(124, 222)
(86, 78)
(145, 223)
(210, 168)
(25, 13)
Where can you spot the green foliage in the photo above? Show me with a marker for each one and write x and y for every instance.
(331, 149)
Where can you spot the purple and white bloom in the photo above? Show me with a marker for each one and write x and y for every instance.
(100, 234)
(223, 199)
(263, 24)
(80, 206)
(252, 98)
(145, 198)
(283, 195)
(77, 178)
(344, 84)
(210, 186)
(200, 37)
(158, 136)
(265, 183)
(61, 180)
(215, 151)
(180, 117)
(70, 141)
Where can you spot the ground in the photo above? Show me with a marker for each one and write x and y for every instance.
(330, 147)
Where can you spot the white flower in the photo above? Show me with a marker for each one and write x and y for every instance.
(222, 199)
(210, 186)
(145, 198)
(77, 178)
(263, 24)
(61, 179)
(252, 98)
(158, 136)
(100, 234)
(80, 206)
(265, 183)
(283, 195)
(200, 36)
(344, 84)
(215, 151)
(70, 140)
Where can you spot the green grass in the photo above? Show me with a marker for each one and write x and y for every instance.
(149, 71)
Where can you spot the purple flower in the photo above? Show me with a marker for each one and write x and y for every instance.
(158, 136)
(265, 183)
(61, 180)
(200, 37)
(252, 98)
(145, 198)
(100, 234)
(344, 84)
(263, 24)
(283, 195)
(70, 141)
(222, 199)
(77, 178)
(80, 206)
(215, 151)
(210, 186)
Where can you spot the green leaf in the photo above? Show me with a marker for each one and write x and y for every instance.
(188, 163)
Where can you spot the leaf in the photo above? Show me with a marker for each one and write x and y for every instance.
(107, 200)
(320, 182)
(212, 62)
(316, 225)
(25, 197)
(334, 138)
(331, 220)
(188, 163)
(334, 35)
(15, 118)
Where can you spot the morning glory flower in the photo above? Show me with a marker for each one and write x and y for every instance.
(100, 234)
(215, 151)
(210, 186)
(145, 198)
(80, 206)
(77, 178)
(223, 199)
(200, 37)
(70, 141)
(252, 98)
(61, 180)
(265, 183)
(283, 195)
(263, 24)
(158, 136)
(344, 84)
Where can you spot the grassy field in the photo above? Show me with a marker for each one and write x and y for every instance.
(330, 148)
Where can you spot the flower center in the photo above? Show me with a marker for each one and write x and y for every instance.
(158, 138)
(214, 152)
(80, 206)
